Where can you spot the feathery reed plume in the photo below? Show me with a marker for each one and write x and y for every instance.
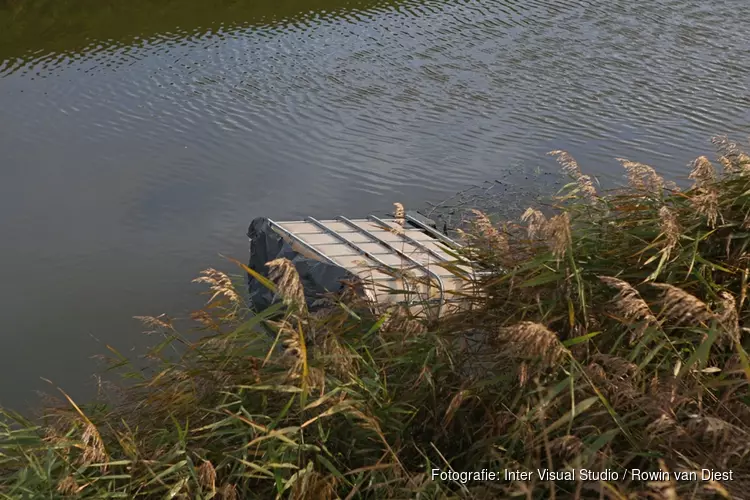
(703, 172)
(228, 492)
(732, 158)
(93, 447)
(664, 424)
(596, 372)
(398, 213)
(570, 167)
(220, 284)
(617, 367)
(523, 374)
(536, 222)
(663, 490)
(567, 162)
(682, 307)
(724, 145)
(295, 354)
(204, 318)
(670, 229)
(567, 447)
(729, 318)
(456, 401)
(286, 278)
(711, 429)
(642, 177)
(630, 305)
(312, 484)
(706, 203)
(715, 488)
(727, 164)
(207, 476)
(400, 320)
(68, 486)
(340, 359)
(290, 340)
(557, 232)
(743, 162)
(535, 339)
(155, 323)
(489, 232)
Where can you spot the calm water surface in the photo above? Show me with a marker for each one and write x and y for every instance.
(137, 139)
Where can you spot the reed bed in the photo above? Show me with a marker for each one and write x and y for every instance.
(609, 335)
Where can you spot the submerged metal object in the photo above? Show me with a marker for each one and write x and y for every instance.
(411, 263)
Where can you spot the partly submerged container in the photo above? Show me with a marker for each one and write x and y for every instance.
(396, 261)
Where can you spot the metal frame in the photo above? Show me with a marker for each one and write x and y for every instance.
(302, 242)
(352, 245)
(374, 238)
(343, 240)
(408, 238)
(434, 232)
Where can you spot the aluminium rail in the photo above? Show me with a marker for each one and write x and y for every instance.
(364, 237)
(352, 245)
(403, 255)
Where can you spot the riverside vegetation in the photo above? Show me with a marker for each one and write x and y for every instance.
(606, 332)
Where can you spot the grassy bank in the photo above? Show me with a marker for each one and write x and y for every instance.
(607, 335)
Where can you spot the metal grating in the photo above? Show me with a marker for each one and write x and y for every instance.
(363, 245)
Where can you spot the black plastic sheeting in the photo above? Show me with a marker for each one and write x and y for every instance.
(317, 278)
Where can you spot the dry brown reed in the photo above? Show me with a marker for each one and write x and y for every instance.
(68, 486)
(567, 162)
(207, 476)
(313, 485)
(706, 203)
(528, 338)
(289, 337)
(205, 319)
(402, 321)
(155, 323)
(703, 172)
(642, 177)
(399, 214)
(220, 284)
(487, 232)
(93, 446)
(567, 447)
(536, 222)
(570, 167)
(727, 164)
(556, 231)
(705, 198)
(456, 401)
(617, 368)
(228, 492)
(523, 374)
(286, 278)
(663, 490)
(733, 159)
(630, 305)
(339, 359)
(670, 229)
(729, 319)
(682, 307)
(558, 234)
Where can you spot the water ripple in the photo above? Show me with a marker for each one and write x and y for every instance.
(195, 129)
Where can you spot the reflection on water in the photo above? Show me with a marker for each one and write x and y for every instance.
(137, 139)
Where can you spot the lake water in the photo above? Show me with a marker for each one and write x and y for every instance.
(139, 138)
